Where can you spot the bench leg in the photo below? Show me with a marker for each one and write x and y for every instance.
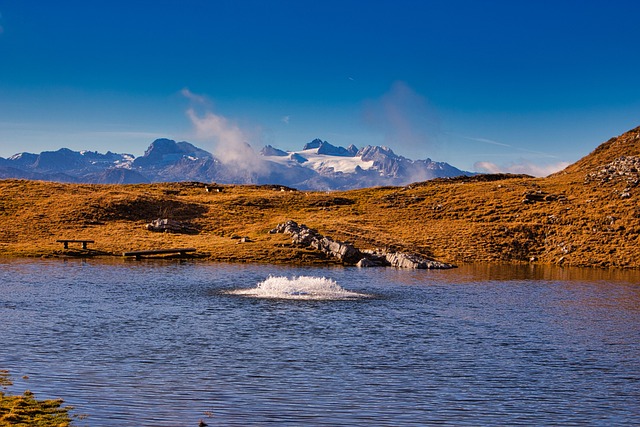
(84, 245)
(66, 245)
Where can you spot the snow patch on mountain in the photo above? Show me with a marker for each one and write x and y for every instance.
(318, 166)
(322, 163)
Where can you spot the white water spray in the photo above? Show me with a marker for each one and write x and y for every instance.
(301, 288)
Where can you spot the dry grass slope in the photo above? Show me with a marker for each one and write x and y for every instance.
(586, 215)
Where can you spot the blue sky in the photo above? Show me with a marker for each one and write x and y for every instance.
(520, 86)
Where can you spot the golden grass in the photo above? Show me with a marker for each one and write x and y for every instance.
(25, 410)
(458, 220)
(452, 221)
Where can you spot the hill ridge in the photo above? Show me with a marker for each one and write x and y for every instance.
(625, 144)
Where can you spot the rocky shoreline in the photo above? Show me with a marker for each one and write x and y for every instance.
(350, 255)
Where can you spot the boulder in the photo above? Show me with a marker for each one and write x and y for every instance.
(407, 260)
(166, 225)
(345, 252)
(349, 254)
(372, 261)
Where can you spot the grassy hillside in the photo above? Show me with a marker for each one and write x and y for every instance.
(586, 215)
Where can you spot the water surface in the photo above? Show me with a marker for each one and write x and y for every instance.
(168, 343)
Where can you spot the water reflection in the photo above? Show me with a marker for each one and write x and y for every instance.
(160, 343)
(519, 272)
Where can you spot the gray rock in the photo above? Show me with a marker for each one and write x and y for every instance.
(624, 169)
(407, 260)
(343, 251)
(166, 225)
(349, 254)
(367, 262)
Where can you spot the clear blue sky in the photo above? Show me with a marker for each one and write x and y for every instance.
(504, 85)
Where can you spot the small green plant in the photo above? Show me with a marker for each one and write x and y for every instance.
(25, 410)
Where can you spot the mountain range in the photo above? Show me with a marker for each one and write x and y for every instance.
(588, 214)
(318, 166)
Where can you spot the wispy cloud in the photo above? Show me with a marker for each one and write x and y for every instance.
(486, 141)
(286, 119)
(487, 167)
(544, 165)
(228, 139)
(521, 167)
(404, 116)
(194, 98)
(502, 144)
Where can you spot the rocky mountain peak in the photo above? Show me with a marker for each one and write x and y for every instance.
(377, 152)
(23, 158)
(331, 150)
(59, 160)
(268, 150)
(165, 151)
(313, 144)
(328, 149)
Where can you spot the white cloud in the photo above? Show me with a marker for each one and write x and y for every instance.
(286, 119)
(229, 141)
(487, 167)
(486, 141)
(405, 118)
(513, 147)
(193, 97)
(522, 167)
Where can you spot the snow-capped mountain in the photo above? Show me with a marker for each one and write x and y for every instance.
(318, 166)
(342, 168)
(66, 165)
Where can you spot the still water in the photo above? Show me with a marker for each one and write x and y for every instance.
(172, 343)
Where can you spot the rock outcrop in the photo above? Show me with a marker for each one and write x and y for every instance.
(400, 260)
(170, 226)
(349, 254)
(625, 169)
(305, 236)
(540, 196)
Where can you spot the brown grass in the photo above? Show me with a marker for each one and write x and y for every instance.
(460, 220)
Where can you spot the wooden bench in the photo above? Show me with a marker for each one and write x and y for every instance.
(139, 254)
(67, 241)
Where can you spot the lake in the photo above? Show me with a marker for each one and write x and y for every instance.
(170, 343)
